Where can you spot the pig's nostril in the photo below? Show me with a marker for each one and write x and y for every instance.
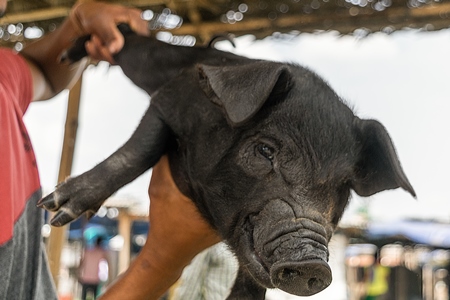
(302, 278)
(288, 274)
(314, 283)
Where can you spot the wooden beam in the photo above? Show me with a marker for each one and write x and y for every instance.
(61, 12)
(35, 15)
(442, 10)
(125, 223)
(58, 234)
(323, 19)
(341, 21)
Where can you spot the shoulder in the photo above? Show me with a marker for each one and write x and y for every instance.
(15, 77)
(12, 63)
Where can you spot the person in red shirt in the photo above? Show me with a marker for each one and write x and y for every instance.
(178, 232)
(36, 74)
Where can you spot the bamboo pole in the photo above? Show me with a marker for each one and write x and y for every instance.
(125, 223)
(58, 234)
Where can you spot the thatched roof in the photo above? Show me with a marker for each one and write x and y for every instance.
(205, 18)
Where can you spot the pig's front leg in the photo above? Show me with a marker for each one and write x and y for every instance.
(87, 192)
(245, 288)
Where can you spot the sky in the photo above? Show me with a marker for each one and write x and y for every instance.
(400, 79)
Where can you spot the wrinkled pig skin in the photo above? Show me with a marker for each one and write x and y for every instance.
(267, 151)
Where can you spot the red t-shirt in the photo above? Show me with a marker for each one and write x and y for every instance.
(19, 178)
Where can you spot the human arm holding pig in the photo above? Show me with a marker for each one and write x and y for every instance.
(177, 233)
(95, 18)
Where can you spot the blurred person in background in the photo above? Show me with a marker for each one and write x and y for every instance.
(377, 279)
(93, 269)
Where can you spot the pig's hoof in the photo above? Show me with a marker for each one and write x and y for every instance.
(303, 278)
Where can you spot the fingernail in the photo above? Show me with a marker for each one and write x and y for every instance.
(113, 49)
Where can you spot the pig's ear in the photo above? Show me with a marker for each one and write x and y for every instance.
(378, 167)
(243, 89)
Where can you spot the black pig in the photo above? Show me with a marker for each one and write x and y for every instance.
(266, 150)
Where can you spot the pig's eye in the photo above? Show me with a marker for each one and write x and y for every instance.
(266, 151)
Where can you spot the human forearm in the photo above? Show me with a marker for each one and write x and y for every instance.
(160, 263)
(177, 233)
(50, 76)
(144, 279)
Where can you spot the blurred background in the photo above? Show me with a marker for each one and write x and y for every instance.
(389, 60)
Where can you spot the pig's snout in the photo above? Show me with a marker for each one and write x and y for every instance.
(286, 247)
(304, 278)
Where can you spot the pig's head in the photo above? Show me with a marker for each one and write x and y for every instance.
(278, 193)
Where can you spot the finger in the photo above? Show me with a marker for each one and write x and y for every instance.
(132, 17)
(98, 51)
(112, 40)
(136, 22)
(107, 34)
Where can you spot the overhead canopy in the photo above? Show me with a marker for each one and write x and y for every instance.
(426, 233)
(206, 18)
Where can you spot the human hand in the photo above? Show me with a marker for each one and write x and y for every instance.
(100, 20)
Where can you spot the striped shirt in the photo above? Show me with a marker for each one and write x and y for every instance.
(210, 276)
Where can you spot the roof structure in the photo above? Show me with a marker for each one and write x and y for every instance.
(203, 19)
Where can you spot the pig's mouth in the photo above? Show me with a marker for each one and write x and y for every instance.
(255, 264)
(292, 258)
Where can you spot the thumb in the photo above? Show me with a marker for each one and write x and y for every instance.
(137, 24)
(115, 45)
(112, 39)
